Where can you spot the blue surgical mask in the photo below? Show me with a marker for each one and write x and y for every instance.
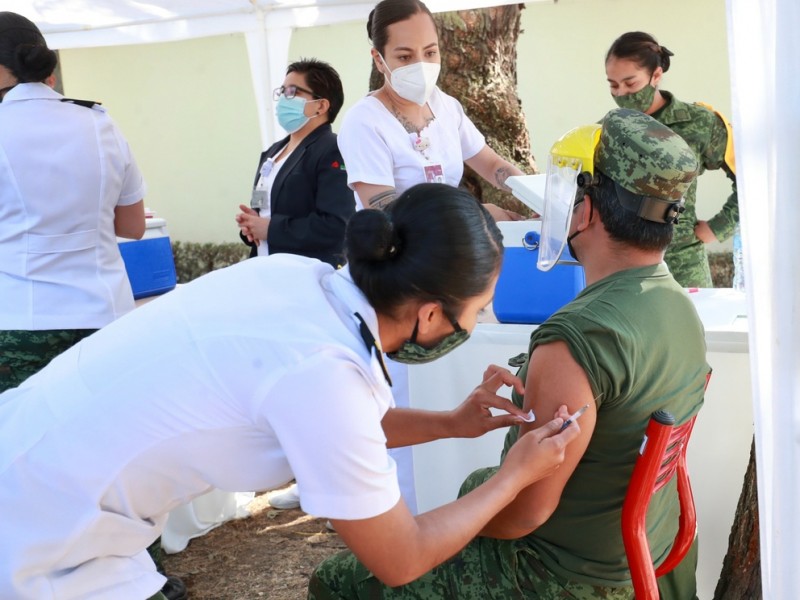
(291, 113)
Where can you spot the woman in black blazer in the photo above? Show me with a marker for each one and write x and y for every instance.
(301, 202)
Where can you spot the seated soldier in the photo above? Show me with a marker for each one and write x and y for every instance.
(631, 343)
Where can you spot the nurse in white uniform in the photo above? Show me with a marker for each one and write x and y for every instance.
(409, 131)
(68, 186)
(187, 393)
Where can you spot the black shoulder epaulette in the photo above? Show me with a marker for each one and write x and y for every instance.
(84, 103)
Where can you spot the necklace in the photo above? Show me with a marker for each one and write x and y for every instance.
(419, 142)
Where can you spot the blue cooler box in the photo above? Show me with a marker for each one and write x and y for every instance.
(149, 261)
(524, 294)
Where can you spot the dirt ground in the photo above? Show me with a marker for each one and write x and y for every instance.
(270, 554)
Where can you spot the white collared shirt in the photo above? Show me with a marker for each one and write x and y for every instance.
(269, 172)
(63, 170)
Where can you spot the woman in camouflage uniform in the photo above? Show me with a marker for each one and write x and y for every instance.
(635, 64)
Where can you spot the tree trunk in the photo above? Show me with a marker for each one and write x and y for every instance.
(740, 578)
(479, 69)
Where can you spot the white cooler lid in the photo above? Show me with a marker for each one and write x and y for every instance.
(514, 231)
(154, 227)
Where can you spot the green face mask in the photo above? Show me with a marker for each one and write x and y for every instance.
(641, 100)
(412, 353)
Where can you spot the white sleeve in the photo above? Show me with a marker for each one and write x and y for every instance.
(367, 154)
(133, 186)
(328, 421)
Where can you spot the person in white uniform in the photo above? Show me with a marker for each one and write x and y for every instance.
(68, 186)
(409, 131)
(185, 394)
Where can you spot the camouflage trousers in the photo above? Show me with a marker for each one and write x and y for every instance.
(23, 353)
(689, 265)
(486, 569)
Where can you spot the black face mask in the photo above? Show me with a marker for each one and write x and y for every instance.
(569, 245)
(577, 233)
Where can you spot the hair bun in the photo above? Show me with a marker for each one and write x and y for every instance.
(371, 236)
(664, 53)
(35, 62)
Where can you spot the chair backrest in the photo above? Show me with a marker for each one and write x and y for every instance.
(662, 455)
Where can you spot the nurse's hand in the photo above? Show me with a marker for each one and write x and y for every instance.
(540, 452)
(472, 418)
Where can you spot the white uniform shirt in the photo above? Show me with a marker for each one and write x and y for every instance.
(378, 150)
(269, 172)
(240, 380)
(63, 170)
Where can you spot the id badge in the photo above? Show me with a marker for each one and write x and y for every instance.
(259, 199)
(433, 173)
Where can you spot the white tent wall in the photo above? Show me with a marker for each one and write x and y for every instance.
(766, 52)
(189, 107)
(188, 111)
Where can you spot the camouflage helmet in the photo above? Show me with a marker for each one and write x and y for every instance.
(650, 164)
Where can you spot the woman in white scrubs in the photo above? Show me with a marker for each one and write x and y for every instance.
(68, 186)
(408, 131)
(248, 377)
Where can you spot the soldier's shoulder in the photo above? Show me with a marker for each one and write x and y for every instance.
(703, 112)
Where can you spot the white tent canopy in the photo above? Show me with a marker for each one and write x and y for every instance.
(765, 53)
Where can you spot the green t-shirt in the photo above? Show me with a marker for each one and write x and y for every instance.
(640, 341)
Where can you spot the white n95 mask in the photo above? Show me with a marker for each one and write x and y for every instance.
(415, 82)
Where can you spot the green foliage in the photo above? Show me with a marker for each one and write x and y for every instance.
(193, 259)
(721, 264)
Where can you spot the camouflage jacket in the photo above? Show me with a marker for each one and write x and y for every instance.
(707, 135)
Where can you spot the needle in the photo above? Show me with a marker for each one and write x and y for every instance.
(574, 416)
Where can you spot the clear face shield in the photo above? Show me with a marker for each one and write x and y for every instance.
(569, 157)
(559, 198)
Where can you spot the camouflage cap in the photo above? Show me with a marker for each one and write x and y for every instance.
(644, 157)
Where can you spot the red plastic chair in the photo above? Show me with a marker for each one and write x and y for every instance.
(662, 455)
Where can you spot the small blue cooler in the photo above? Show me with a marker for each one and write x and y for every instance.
(149, 261)
(524, 294)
